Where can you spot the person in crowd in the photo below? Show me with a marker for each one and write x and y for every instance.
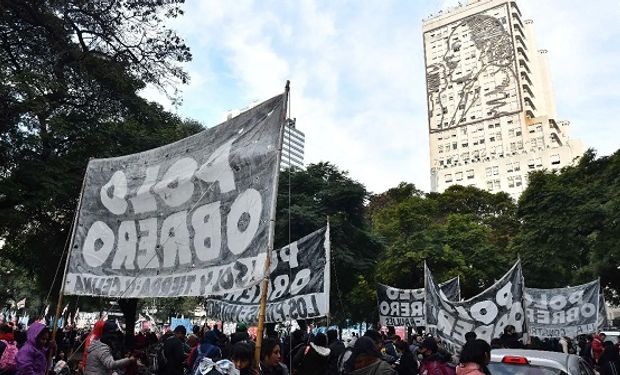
(314, 358)
(100, 360)
(433, 362)
(243, 357)
(475, 357)
(32, 357)
(510, 339)
(414, 343)
(597, 346)
(270, 358)
(8, 350)
(60, 365)
(609, 362)
(366, 359)
(336, 348)
(377, 338)
(241, 334)
(20, 335)
(290, 348)
(389, 347)
(470, 336)
(567, 345)
(207, 349)
(407, 363)
(173, 352)
(94, 335)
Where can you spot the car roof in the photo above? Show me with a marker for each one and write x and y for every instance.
(555, 360)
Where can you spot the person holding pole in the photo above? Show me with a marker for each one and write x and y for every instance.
(32, 358)
(100, 360)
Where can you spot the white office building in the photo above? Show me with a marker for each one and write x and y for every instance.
(491, 110)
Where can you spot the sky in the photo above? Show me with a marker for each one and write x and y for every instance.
(357, 74)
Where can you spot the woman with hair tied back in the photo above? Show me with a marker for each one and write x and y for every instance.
(475, 357)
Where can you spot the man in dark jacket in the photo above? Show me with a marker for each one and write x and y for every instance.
(174, 353)
(336, 348)
(509, 338)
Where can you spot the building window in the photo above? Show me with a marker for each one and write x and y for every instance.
(539, 162)
(497, 185)
(490, 185)
(459, 176)
(448, 178)
(530, 164)
(555, 159)
(511, 182)
(489, 171)
(470, 174)
(518, 181)
(495, 170)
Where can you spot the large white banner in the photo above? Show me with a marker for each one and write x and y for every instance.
(187, 219)
(487, 314)
(298, 286)
(562, 312)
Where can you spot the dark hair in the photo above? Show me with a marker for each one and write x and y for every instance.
(401, 345)
(320, 339)
(610, 352)
(196, 330)
(180, 329)
(469, 336)
(242, 351)
(430, 344)
(475, 351)
(267, 348)
(374, 336)
(364, 346)
(509, 328)
(332, 335)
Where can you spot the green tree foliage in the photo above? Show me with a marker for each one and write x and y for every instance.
(69, 76)
(320, 191)
(461, 232)
(570, 231)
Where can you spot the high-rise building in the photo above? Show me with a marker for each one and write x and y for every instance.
(491, 110)
(293, 142)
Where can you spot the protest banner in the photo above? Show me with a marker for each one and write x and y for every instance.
(562, 312)
(405, 307)
(298, 286)
(191, 218)
(486, 314)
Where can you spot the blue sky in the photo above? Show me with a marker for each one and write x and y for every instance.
(357, 74)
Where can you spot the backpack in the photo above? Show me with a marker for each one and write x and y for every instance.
(214, 353)
(158, 358)
(8, 361)
(344, 357)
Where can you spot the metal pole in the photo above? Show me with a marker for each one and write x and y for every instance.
(272, 225)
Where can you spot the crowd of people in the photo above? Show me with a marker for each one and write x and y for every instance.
(208, 351)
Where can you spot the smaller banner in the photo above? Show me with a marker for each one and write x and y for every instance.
(298, 286)
(405, 307)
(486, 314)
(562, 312)
(175, 322)
(21, 304)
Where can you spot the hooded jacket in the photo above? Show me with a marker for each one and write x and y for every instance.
(380, 367)
(95, 334)
(313, 359)
(469, 368)
(100, 360)
(32, 360)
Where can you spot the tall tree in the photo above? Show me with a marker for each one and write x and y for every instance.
(462, 232)
(69, 76)
(570, 232)
(319, 191)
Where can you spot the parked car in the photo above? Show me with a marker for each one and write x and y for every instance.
(613, 336)
(536, 362)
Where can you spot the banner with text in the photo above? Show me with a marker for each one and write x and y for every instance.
(562, 312)
(602, 313)
(190, 218)
(298, 286)
(486, 314)
(405, 307)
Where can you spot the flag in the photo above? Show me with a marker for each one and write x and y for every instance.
(47, 310)
(64, 310)
(21, 304)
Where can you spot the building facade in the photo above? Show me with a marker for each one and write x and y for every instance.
(491, 110)
(293, 145)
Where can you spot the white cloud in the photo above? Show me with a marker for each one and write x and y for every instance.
(357, 74)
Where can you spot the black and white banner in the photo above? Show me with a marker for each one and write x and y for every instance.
(602, 313)
(298, 286)
(486, 314)
(562, 311)
(187, 219)
(405, 307)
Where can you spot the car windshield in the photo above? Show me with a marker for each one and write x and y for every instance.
(612, 338)
(497, 368)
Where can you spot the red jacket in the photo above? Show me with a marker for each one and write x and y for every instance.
(96, 333)
(597, 347)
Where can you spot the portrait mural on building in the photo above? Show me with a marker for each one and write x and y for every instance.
(471, 70)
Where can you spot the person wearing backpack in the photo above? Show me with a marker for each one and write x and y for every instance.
(609, 363)
(173, 354)
(206, 349)
(32, 357)
(100, 360)
(314, 358)
(433, 362)
(366, 359)
(8, 351)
